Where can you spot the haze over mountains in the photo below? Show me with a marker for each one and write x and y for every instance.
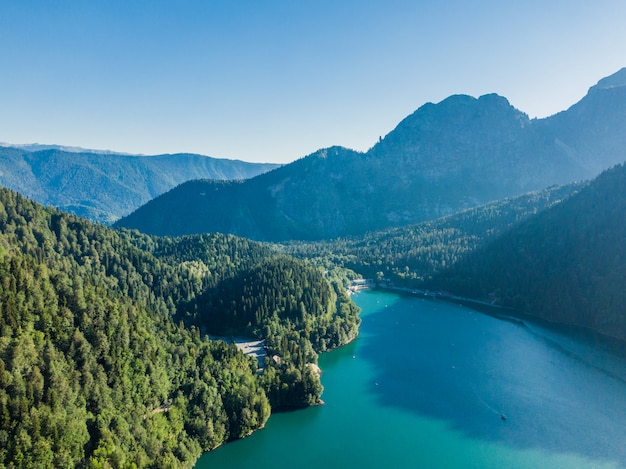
(70, 149)
(103, 186)
(456, 154)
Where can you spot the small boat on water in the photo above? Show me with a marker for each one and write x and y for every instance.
(503, 417)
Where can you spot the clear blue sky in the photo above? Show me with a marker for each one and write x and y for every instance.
(265, 80)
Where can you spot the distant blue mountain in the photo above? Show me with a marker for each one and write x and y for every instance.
(104, 186)
(70, 149)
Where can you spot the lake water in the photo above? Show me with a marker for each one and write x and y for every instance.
(426, 384)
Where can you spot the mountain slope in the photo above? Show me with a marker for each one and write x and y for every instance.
(410, 256)
(277, 206)
(557, 254)
(104, 187)
(566, 264)
(444, 157)
(42, 146)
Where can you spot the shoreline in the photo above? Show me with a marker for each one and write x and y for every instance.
(509, 314)
(256, 348)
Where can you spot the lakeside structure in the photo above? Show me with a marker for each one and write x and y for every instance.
(361, 284)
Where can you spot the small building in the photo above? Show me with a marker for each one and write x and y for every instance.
(361, 284)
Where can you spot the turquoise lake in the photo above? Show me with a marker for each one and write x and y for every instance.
(426, 385)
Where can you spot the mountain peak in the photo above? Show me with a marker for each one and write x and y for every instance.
(618, 79)
(456, 117)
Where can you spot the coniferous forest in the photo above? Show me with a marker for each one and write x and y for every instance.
(566, 264)
(104, 360)
(413, 256)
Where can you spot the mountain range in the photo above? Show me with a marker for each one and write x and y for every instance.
(67, 148)
(104, 186)
(102, 359)
(444, 157)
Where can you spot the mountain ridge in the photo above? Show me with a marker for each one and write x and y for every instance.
(105, 186)
(70, 149)
(444, 157)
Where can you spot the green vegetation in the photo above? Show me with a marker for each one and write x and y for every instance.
(292, 307)
(557, 254)
(412, 256)
(102, 359)
(566, 264)
(279, 297)
(288, 303)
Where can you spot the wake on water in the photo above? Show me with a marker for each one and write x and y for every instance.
(502, 416)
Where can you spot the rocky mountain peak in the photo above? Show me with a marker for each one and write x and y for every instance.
(618, 79)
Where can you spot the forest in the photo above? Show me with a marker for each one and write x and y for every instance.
(565, 265)
(414, 255)
(104, 357)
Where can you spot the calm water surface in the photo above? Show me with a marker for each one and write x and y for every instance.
(425, 385)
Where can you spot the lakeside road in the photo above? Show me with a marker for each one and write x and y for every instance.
(502, 312)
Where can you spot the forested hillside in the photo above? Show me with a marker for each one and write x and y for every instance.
(566, 264)
(411, 256)
(100, 363)
(558, 254)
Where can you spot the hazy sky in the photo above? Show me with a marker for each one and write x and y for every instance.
(267, 80)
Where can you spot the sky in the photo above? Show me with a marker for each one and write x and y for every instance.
(275, 80)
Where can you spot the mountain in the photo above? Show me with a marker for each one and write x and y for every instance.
(444, 157)
(566, 264)
(70, 149)
(557, 254)
(104, 186)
